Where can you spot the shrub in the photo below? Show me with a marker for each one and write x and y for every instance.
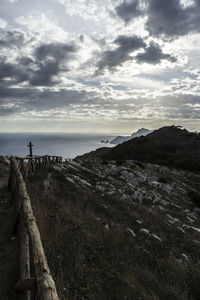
(162, 179)
(195, 197)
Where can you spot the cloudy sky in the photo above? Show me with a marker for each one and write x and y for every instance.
(99, 65)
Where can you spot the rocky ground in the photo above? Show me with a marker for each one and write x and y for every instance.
(119, 231)
(128, 231)
(157, 197)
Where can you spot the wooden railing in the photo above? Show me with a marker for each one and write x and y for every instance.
(41, 285)
(28, 165)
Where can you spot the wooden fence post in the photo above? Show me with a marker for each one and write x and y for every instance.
(24, 260)
(46, 289)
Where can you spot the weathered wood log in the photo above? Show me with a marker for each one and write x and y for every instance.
(24, 260)
(46, 289)
(25, 285)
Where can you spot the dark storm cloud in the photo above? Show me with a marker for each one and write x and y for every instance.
(169, 18)
(129, 43)
(48, 60)
(113, 58)
(16, 94)
(164, 17)
(43, 76)
(128, 10)
(58, 51)
(14, 72)
(153, 55)
(11, 38)
(25, 61)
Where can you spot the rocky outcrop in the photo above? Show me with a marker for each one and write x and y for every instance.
(138, 133)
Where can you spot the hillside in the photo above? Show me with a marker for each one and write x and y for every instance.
(119, 232)
(167, 146)
(111, 231)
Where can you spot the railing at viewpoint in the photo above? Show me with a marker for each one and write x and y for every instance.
(29, 165)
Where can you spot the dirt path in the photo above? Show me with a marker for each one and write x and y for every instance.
(8, 242)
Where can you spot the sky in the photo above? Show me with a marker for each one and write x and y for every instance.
(99, 66)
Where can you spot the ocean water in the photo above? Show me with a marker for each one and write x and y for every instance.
(65, 145)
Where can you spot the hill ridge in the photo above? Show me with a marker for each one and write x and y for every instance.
(168, 146)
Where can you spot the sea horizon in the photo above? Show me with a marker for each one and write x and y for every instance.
(67, 145)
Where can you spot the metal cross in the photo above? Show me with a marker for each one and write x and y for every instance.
(30, 145)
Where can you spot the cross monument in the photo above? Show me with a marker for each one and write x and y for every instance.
(30, 145)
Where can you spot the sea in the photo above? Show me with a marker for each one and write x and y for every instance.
(65, 145)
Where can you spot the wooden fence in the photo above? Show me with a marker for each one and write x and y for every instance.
(41, 285)
(29, 165)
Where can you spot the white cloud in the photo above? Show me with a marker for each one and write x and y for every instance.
(42, 28)
(186, 3)
(12, 1)
(84, 8)
(3, 23)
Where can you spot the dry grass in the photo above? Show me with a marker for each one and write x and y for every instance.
(91, 261)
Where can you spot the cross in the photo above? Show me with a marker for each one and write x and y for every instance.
(30, 145)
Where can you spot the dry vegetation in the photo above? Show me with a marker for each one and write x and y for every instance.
(9, 271)
(91, 253)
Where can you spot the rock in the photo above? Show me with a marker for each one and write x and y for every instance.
(145, 231)
(154, 183)
(107, 226)
(139, 222)
(156, 237)
(131, 231)
(129, 177)
(141, 178)
(70, 179)
(185, 257)
(138, 196)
